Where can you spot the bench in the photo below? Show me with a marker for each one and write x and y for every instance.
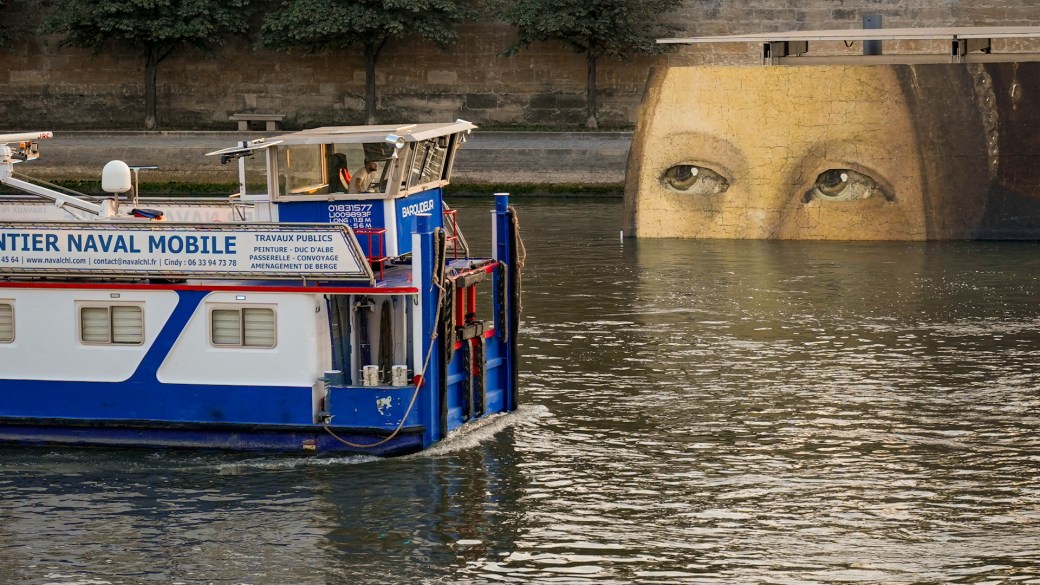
(248, 120)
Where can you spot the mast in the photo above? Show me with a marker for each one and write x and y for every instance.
(23, 146)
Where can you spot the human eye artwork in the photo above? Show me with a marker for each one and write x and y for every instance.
(694, 180)
(845, 185)
(912, 152)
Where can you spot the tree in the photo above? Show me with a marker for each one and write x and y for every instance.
(317, 25)
(156, 27)
(598, 28)
(4, 37)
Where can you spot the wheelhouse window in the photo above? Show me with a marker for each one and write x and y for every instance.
(303, 172)
(428, 161)
(6, 322)
(317, 169)
(243, 327)
(111, 325)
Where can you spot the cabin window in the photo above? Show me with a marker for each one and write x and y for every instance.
(243, 327)
(6, 322)
(319, 169)
(428, 161)
(111, 325)
(302, 170)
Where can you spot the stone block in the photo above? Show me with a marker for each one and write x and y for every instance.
(480, 100)
(442, 77)
(543, 101)
(28, 77)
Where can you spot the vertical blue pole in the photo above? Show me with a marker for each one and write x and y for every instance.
(502, 227)
(429, 393)
(504, 252)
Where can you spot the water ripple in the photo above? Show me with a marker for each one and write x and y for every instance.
(694, 412)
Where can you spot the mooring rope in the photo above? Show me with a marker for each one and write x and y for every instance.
(521, 258)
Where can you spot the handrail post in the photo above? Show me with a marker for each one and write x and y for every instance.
(423, 255)
(505, 252)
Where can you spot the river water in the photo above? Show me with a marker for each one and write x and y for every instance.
(693, 412)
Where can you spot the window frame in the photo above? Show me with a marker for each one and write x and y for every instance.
(423, 151)
(81, 306)
(240, 309)
(10, 304)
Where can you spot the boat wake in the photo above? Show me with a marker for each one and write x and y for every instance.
(479, 432)
(469, 436)
(277, 463)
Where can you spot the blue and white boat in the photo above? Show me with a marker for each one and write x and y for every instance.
(331, 305)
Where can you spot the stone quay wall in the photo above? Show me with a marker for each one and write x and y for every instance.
(46, 86)
(539, 159)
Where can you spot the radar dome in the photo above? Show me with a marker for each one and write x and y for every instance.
(115, 177)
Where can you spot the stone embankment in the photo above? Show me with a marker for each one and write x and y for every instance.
(541, 159)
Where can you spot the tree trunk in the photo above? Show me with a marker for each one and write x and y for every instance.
(151, 65)
(590, 89)
(371, 54)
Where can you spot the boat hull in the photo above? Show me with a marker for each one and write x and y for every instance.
(223, 437)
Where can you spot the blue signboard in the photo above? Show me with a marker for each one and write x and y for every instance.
(370, 213)
(406, 208)
(354, 213)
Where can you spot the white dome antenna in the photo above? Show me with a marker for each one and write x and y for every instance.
(115, 177)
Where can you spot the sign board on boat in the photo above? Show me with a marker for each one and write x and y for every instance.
(164, 249)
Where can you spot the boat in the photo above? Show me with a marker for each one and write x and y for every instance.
(331, 305)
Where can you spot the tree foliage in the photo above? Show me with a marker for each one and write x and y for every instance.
(155, 27)
(318, 25)
(5, 38)
(598, 28)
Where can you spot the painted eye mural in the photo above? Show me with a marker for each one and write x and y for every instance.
(694, 179)
(931, 151)
(845, 185)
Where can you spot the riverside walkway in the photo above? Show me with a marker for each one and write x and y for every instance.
(488, 158)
